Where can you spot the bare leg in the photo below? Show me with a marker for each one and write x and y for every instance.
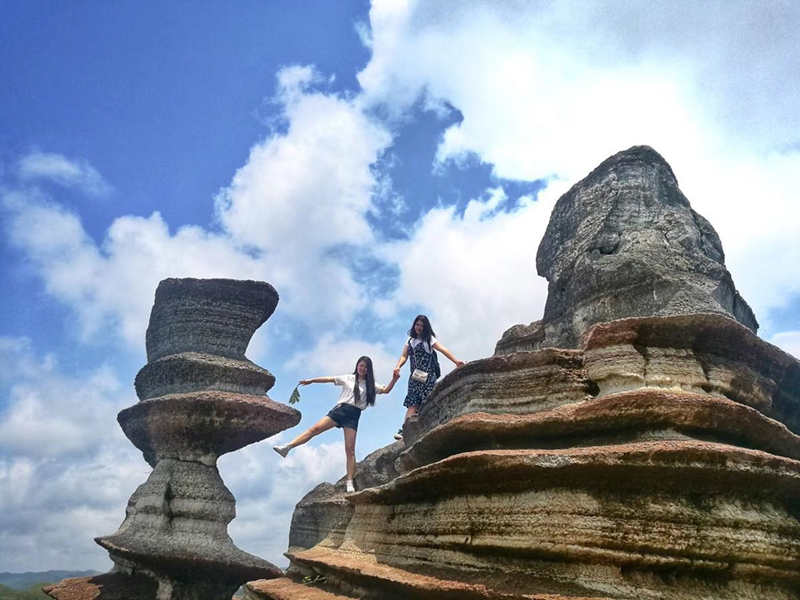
(323, 424)
(350, 451)
(410, 412)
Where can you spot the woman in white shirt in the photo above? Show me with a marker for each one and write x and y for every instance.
(421, 348)
(358, 393)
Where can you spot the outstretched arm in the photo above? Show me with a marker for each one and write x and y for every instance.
(316, 380)
(388, 388)
(401, 361)
(448, 354)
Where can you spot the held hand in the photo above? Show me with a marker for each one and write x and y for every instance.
(396, 373)
(304, 382)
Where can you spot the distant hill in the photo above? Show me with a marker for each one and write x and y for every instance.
(23, 581)
(32, 593)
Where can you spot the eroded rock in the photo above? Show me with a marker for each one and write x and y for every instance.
(639, 442)
(624, 242)
(199, 398)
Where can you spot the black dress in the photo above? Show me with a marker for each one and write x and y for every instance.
(418, 391)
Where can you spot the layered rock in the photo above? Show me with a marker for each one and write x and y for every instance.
(199, 398)
(624, 447)
(624, 242)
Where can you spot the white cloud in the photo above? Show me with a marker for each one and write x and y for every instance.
(300, 194)
(267, 488)
(48, 414)
(551, 89)
(334, 356)
(788, 341)
(111, 287)
(303, 192)
(59, 169)
(66, 469)
(475, 274)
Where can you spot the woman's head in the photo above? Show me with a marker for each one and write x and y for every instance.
(363, 371)
(421, 329)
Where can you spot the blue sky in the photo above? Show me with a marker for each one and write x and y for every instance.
(371, 161)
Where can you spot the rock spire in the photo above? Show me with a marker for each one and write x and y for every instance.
(199, 398)
(624, 242)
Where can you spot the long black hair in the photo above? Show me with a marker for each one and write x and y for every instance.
(427, 330)
(370, 382)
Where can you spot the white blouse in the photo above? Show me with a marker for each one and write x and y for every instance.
(416, 342)
(347, 383)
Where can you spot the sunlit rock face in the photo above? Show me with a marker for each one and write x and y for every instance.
(624, 242)
(200, 397)
(628, 448)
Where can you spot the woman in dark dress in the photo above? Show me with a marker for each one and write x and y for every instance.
(420, 349)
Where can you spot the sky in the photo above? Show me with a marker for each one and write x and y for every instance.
(370, 161)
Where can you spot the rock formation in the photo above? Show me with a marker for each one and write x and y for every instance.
(624, 242)
(639, 442)
(199, 398)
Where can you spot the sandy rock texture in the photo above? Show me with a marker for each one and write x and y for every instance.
(640, 442)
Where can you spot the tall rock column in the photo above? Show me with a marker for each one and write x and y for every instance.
(199, 398)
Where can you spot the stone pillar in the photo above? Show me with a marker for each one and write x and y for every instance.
(199, 398)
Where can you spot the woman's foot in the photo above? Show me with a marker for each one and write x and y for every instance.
(399, 434)
(349, 487)
(282, 450)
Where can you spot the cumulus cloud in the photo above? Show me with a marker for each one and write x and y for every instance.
(334, 356)
(268, 487)
(66, 469)
(306, 191)
(474, 272)
(298, 196)
(789, 341)
(63, 171)
(554, 88)
(111, 287)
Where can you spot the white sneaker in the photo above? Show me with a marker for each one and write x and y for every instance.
(349, 486)
(399, 434)
(282, 450)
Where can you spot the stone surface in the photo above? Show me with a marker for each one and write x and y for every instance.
(654, 455)
(636, 415)
(325, 511)
(364, 570)
(192, 371)
(202, 426)
(624, 242)
(199, 398)
(286, 589)
(699, 353)
(517, 384)
(180, 516)
(109, 586)
(682, 483)
(212, 316)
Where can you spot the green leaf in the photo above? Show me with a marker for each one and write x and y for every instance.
(295, 397)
